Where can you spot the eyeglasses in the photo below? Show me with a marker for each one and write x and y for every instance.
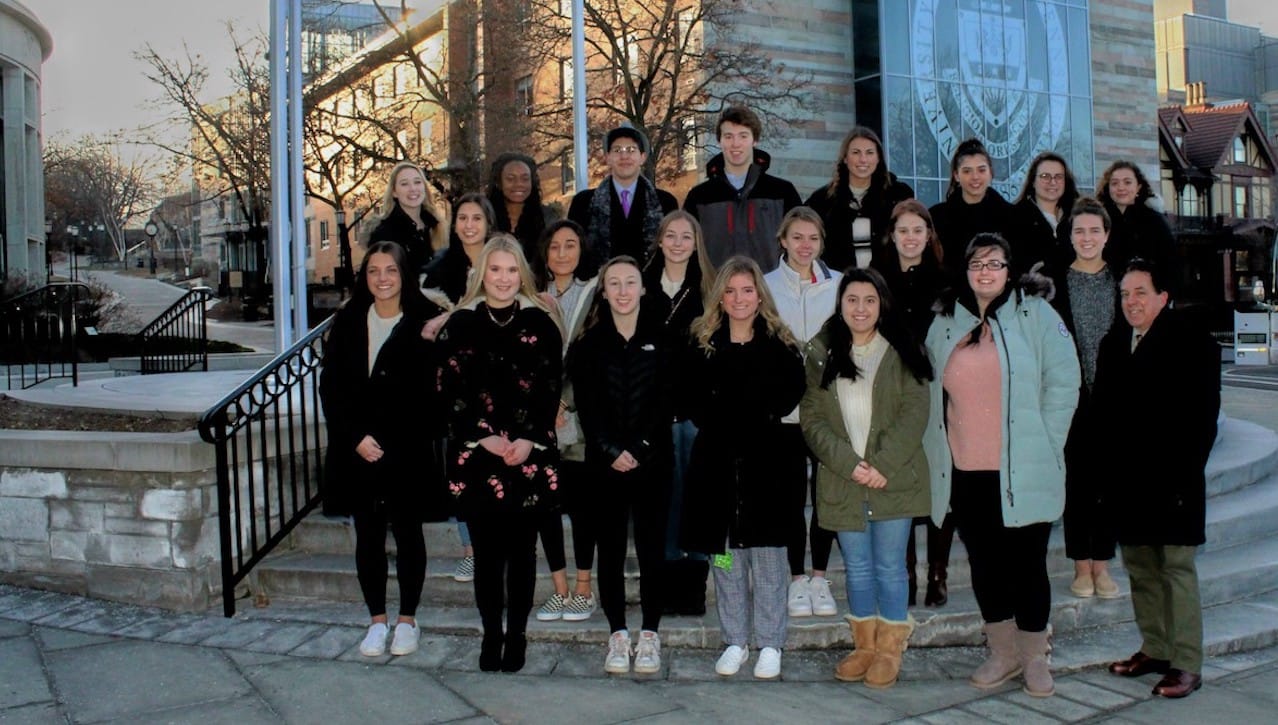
(993, 265)
(624, 150)
(1051, 178)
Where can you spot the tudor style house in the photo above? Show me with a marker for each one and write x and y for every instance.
(1217, 169)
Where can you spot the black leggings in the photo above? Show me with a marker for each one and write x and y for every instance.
(505, 548)
(1009, 563)
(550, 526)
(370, 559)
(624, 496)
(794, 452)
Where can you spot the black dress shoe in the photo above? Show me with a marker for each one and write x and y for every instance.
(1178, 683)
(1139, 664)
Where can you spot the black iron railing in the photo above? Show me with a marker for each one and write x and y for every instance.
(269, 442)
(178, 339)
(39, 334)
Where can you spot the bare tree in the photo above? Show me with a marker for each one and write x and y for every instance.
(229, 139)
(90, 182)
(665, 67)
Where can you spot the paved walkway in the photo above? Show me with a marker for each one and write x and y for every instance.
(68, 659)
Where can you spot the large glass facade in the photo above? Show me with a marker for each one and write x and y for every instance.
(1014, 73)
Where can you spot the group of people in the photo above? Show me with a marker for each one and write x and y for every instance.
(697, 374)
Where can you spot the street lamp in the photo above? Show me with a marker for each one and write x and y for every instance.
(151, 230)
(75, 248)
(344, 274)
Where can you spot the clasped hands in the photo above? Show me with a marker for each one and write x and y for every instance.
(868, 475)
(512, 453)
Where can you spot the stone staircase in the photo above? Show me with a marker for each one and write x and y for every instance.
(313, 579)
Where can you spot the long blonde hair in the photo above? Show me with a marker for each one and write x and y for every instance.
(705, 326)
(699, 246)
(438, 235)
(503, 242)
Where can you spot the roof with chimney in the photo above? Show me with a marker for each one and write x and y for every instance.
(1207, 131)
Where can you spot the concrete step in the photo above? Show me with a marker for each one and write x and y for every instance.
(328, 569)
(1225, 575)
(1106, 631)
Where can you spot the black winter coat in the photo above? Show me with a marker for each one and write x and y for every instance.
(742, 222)
(839, 211)
(449, 272)
(1158, 407)
(625, 234)
(396, 405)
(915, 290)
(956, 222)
(1141, 231)
(1034, 239)
(622, 392)
(677, 313)
(737, 490)
(501, 379)
(398, 227)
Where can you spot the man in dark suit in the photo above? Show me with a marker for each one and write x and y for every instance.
(622, 214)
(1158, 390)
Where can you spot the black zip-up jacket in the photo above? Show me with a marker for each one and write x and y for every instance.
(838, 212)
(622, 389)
(956, 222)
(742, 222)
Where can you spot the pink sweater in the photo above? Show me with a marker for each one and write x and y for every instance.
(973, 411)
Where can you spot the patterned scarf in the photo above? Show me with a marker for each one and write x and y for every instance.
(599, 229)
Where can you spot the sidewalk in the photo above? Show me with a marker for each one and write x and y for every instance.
(68, 659)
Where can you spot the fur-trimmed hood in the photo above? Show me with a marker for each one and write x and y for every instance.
(1031, 284)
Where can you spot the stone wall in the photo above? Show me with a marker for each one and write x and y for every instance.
(123, 516)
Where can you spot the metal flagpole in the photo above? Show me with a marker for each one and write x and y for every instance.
(281, 279)
(300, 244)
(580, 135)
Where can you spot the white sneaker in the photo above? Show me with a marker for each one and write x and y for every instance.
(822, 601)
(769, 665)
(406, 637)
(731, 660)
(618, 660)
(648, 653)
(799, 600)
(374, 643)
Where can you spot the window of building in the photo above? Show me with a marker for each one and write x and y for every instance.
(1189, 202)
(567, 184)
(1240, 151)
(565, 79)
(428, 137)
(324, 241)
(688, 143)
(524, 95)
(1240, 201)
(689, 37)
(627, 60)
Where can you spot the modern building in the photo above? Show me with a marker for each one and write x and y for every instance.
(24, 46)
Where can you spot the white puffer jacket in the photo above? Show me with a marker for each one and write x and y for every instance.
(804, 305)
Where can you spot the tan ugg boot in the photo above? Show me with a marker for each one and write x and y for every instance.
(1032, 649)
(853, 667)
(890, 642)
(1003, 663)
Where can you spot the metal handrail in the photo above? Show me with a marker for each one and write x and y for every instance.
(39, 334)
(270, 457)
(177, 340)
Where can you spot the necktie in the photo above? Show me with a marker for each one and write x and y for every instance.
(625, 202)
(1136, 340)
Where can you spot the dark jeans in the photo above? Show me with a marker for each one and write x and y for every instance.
(791, 446)
(505, 548)
(684, 433)
(645, 500)
(370, 559)
(1009, 564)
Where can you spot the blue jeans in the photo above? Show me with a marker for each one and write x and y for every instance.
(874, 561)
(684, 433)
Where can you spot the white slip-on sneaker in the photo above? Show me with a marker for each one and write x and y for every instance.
(731, 660)
(822, 600)
(648, 653)
(769, 665)
(374, 643)
(406, 638)
(618, 660)
(799, 600)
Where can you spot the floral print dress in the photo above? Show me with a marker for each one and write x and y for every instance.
(501, 375)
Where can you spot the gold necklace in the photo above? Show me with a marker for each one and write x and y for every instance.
(498, 322)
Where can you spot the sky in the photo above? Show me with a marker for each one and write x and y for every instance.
(92, 83)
